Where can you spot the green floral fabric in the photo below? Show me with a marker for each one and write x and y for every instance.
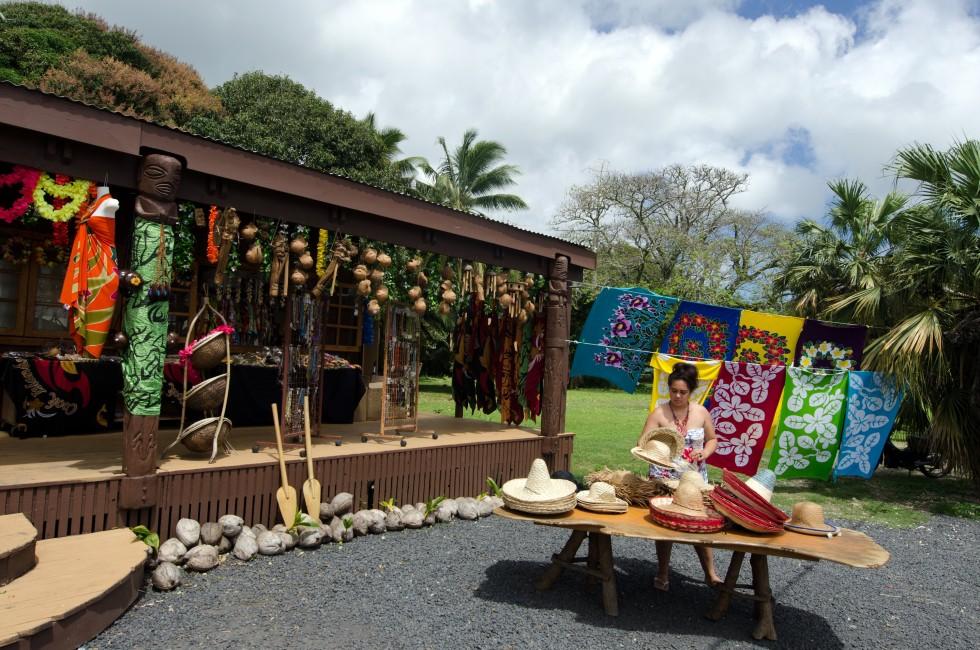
(145, 323)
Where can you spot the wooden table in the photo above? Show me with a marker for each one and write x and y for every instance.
(850, 548)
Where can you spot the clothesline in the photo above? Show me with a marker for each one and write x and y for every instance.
(578, 284)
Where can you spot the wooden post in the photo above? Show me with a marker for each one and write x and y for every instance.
(765, 627)
(555, 358)
(159, 180)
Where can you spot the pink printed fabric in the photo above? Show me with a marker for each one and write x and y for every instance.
(744, 403)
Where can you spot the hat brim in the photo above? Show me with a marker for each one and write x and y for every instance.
(750, 497)
(742, 514)
(583, 499)
(807, 530)
(559, 489)
(711, 523)
(641, 454)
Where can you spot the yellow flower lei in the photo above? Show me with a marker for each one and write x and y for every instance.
(321, 252)
(76, 192)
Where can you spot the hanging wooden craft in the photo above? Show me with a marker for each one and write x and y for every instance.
(228, 227)
(402, 367)
(343, 251)
(206, 396)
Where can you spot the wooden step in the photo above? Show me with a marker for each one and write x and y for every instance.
(80, 585)
(17, 540)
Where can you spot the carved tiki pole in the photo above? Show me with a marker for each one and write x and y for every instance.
(145, 325)
(556, 313)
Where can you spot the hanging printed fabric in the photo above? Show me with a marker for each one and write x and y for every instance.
(824, 345)
(808, 434)
(744, 403)
(663, 364)
(619, 334)
(702, 332)
(767, 339)
(872, 404)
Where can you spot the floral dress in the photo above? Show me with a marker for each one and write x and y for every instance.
(693, 442)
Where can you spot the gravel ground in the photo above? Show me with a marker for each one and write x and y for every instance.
(470, 585)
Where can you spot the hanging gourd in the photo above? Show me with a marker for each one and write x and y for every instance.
(381, 294)
(413, 265)
(373, 308)
(449, 296)
(422, 280)
(253, 256)
(420, 306)
(297, 246)
(298, 277)
(306, 261)
(377, 276)
(249, 231)
(369, 256)
(415, 293)
(384, 260)
(444, 308)
(360, 272)
(364, 287)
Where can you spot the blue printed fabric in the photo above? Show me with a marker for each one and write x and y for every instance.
(872, 404)
(702, 332)
(619, 334)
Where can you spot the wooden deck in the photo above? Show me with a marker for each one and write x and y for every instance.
(70, 485)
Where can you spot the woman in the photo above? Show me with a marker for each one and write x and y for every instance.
(693, 422)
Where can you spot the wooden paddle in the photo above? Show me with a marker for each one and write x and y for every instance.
(286, 495)
(311, 487)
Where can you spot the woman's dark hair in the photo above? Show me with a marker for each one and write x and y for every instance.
(685, 372)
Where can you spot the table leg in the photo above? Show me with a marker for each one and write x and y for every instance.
(566, 555)
(765, 627)
(727, 588)
(610, 601)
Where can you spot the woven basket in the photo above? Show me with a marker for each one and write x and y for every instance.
(209, 351)
(199, 436)
(208, 395)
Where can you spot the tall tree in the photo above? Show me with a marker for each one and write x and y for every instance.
(469, 178)
(391, 139)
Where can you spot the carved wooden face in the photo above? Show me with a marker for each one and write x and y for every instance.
(160, 177)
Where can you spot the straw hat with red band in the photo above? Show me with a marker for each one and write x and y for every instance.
(743, 490)
(741, 513)
(686, 511)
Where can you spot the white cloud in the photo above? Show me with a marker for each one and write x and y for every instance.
(638, 84)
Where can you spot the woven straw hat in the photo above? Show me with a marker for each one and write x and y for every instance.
(687, 501)
(764, 482)
(539, 493)
(686, 511)
(601, 497)
(808, 519)
(745, 515)
(744, 492)
(659, 447)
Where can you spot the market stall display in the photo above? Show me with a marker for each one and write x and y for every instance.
(601, 497)
(539, 493)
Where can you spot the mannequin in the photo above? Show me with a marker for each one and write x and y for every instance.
(92, 279)
(102, 191)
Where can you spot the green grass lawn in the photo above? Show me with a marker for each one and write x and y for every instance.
(607, 423)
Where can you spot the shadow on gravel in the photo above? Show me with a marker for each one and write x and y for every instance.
(643, 609)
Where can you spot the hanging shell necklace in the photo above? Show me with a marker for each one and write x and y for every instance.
(680, 423)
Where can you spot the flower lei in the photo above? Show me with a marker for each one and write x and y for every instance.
(27, 177)
(50, 254)
(212, 247)
(322, 258)
(15, 251)
(75, 193)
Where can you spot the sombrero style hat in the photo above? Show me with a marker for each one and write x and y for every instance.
(659, 447)
(748, 492)
(539, 493)
(808, 519)
(686, 512)
(743, 514)
(601, 497)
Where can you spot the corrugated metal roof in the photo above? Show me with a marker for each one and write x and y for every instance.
(224, 143)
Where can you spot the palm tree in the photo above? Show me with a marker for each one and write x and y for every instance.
(469, 177)
(391, 139)
(912, 266)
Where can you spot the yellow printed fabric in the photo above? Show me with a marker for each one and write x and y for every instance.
(767, 339)
(663, 364)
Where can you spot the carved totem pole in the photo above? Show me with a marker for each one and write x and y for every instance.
(145, 322)
(557, 317)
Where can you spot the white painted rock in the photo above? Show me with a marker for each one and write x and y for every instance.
(225, 545)
(326, 512)
(326, 534)
(338, 532)
(468, 510)
(430, 520)
(247, 532)
(450, 505)
(393, 520)
(407, 508)
(188, 532)
(444, 515)
(166, 576)
(496, 501)
(211, 533)
(231, 525)
(420, 507)
(412, 519)
(362, 520)
(172, 550)
(270, 543)
(484, 507)
(289, 540)
(201, 558)
(342, 504)
(309, 538)
(279, 528)
(377, 525)
(258, 528)
(245, 547)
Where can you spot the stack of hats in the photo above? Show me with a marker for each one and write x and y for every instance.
(747, 503)
(659, 447)
(808, 519)
(539, 494)
(686, 511)
(601, 497)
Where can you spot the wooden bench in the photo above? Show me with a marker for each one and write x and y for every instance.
(850, 548)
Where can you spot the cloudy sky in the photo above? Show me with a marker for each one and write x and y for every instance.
(793, 92)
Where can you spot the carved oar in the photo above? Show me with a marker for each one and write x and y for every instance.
(286, 495)
(311, 487)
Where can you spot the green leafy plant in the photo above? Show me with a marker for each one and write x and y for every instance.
(389, 504)
(481, 496)
(432, 505)
(494, 488)
(303, 520)
(147, 536)
(347, 521)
